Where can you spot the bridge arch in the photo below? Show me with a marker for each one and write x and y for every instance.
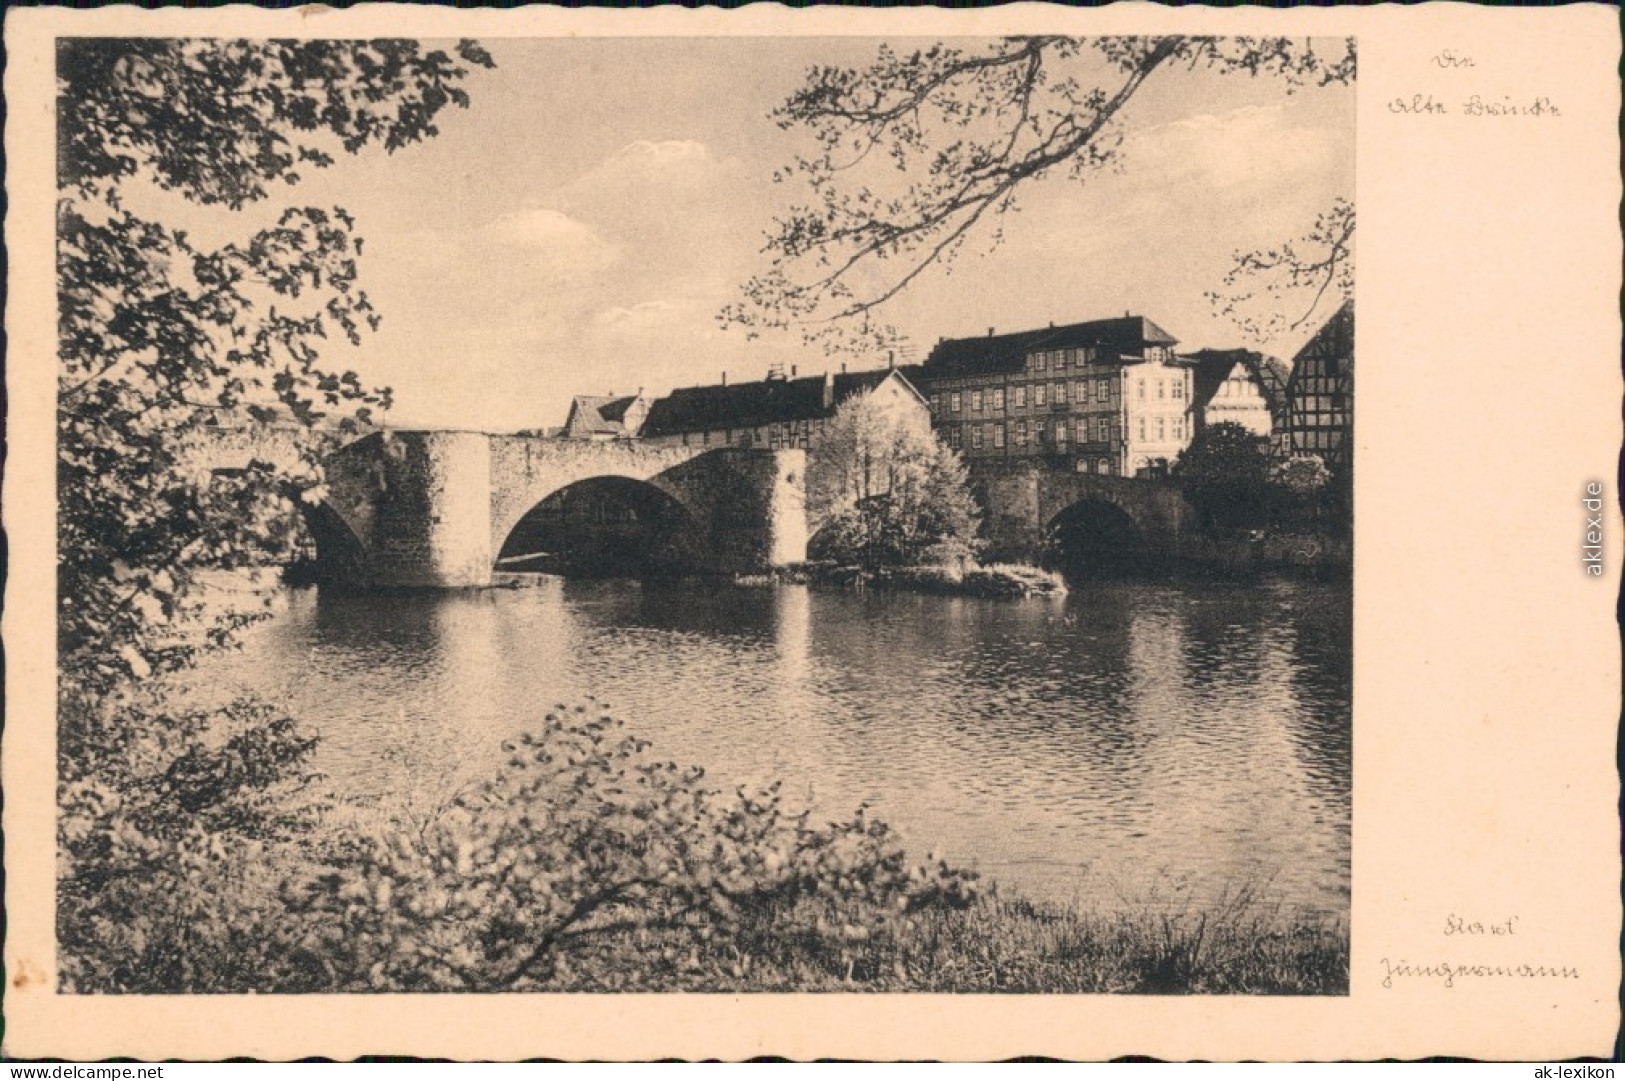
(1095, 537)
(334, 553)
(608, 524)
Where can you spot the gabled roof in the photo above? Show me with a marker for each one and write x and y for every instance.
(593, 415)
(1335, 338)
(1213, 367)
(767, 401)
(996, 353)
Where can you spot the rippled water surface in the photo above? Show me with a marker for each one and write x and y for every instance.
(1164, 742)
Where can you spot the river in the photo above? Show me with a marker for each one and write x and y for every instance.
(1163, 743)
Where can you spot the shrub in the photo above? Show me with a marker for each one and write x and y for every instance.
(580, 840)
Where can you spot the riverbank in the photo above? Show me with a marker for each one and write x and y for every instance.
(997, 945)
(997, 580)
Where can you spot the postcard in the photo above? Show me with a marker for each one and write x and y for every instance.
(817, 533)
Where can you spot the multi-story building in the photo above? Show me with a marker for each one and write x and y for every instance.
(605, 418)
(776, 412)
(1320, 393)
(1107, 396)
(1241, 387)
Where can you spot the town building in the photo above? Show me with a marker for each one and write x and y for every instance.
(1320, 393)
(1108, 396)
(601, 419)
(1239, 386)
(777, 412)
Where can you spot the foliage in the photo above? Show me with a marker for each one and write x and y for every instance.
(1304, 475)
(1256, 287)
(161, 339)
(917, 151)
(883, 490)
(1224, 474)
(581, 839)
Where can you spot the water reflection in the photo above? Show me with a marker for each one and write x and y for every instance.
(1173, 740)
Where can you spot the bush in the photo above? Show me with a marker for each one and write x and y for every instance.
(581, 840)
(1013, 580)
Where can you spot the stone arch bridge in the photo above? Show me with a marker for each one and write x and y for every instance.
(431, 509)
(1024, 503)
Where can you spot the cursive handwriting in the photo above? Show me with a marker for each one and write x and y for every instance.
(1448, 973)
(1456, 925)
(1449, 59)
(1474, 105)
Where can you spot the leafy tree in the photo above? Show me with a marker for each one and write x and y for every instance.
(883, 490)
(919, 150)
(1260, 285)
(1300, 484)
(1224, 475)
(158, 337)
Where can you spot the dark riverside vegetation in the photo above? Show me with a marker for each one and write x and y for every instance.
(949, 580)
(585, 864)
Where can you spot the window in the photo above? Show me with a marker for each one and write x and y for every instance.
(1021, 433)
(998, 399)
(1037, 362)
(975, 401)
(1162, 428)
(1160, 393)
(728, 436)
(1139, 385)
(1179, 427)
(1082, 432)
(1179, 388)
(1103, 390)
(953, 402)
(1038, 394)
(936, 403)
(1058, 394)
(1060, 433)
(1103, 430)
(976, 437)
(685, 439)
(1080, 392)
(1060, 359)
(1142, 428)
(1021, 397)
(998, 435)
(1102, 466)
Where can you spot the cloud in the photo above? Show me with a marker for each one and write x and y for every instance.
(1233, 149)
(648, 168)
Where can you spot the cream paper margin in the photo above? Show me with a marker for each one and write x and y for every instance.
(1487, 665)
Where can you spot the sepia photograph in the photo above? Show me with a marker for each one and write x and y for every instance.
(811, 533)
(727, 515)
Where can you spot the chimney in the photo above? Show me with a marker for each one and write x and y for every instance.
(990, 332)
(891, 359)
(724, 378)
(792, 371)
(843, 367)
(829, 388)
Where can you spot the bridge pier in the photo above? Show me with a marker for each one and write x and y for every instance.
(431, 523)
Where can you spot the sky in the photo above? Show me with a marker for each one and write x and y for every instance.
(578, 228)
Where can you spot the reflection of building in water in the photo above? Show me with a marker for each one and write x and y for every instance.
(1320, 393)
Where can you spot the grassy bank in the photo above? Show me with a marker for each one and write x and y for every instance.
(994, 946)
